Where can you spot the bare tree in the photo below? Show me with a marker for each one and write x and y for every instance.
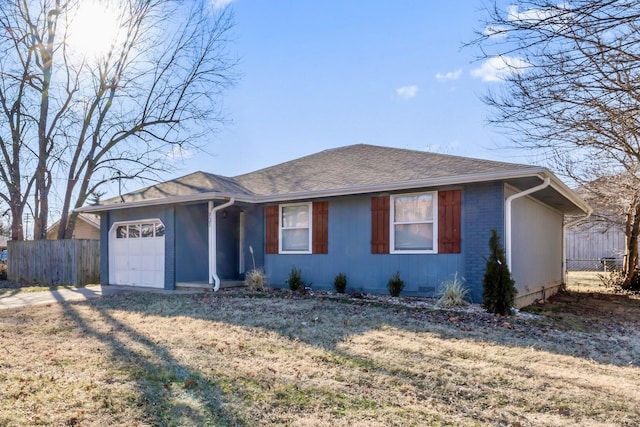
(571, 91)
(76, 120)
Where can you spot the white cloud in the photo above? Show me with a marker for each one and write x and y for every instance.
(407, 92)
(498, 68)
(178, 153)
(451, 75)
(449, 148)
(553, 15)
(219, 4)
(496, 31)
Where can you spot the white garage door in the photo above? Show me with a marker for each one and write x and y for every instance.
(136, 254)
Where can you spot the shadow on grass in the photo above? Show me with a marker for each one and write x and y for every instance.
(320, 322)
(328, 322)
(159, 376)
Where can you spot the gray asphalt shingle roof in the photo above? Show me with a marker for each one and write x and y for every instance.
(189, 185)
(361, 165)
(347, 170)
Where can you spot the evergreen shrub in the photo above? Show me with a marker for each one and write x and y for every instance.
(498, 287)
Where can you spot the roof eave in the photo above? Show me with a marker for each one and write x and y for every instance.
(569, 194)
(402, 185)
(359, 189)
(166, 201)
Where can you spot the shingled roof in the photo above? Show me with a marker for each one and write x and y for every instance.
(352, 169)
(186, 186)
(364, 165)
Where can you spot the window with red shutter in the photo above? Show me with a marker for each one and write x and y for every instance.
(380, 225)
(449, 218)
(271, 233)
(320, 229)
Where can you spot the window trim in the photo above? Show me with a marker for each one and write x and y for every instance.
(139, 223)
(392, 224)
(309, 206)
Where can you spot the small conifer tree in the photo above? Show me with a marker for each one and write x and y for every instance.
(498, 287)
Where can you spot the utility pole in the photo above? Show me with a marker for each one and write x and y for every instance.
(26, 231)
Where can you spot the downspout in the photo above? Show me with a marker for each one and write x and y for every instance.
(510, 199)
(213, 244)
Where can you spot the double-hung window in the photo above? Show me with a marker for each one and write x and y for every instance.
(295, 228)
(413, 223)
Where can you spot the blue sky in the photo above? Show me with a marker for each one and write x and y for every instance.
(317, 75)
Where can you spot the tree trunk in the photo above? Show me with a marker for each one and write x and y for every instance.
(631, 262)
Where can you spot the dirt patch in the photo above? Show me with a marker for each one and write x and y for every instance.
(591, 311)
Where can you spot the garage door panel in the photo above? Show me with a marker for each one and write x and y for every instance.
(136, 260)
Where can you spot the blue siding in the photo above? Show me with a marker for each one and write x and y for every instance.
(227, 239)
(192, 245)
(254, 232)
(349, 245)
(350, 253)
(482, 210)
(350, 249)
(165, 213)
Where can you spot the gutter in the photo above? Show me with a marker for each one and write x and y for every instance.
(507, 206)
(213, 244)
(357, 189)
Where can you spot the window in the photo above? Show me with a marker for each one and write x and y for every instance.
(295, 228)
(139, 230)
(413, 224)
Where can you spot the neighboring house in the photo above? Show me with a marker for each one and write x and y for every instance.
(363, 210)
(87, 227)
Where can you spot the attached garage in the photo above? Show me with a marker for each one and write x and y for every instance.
(136, 253)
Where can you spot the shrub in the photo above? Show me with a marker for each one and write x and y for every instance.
(453, 293)
(340, 283)
(395, 284)
(616, 279)
(3, 271)
(256, 280)
(498, 287)
(295, 281)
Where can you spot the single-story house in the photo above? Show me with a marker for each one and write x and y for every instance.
(87, 227)
(363, 210)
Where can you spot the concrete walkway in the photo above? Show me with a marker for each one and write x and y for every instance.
(25, 299)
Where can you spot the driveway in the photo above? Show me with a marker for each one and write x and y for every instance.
(24, 299)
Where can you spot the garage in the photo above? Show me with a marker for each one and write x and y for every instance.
(136, 253)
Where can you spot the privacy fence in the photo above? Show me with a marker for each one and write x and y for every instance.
(54, 262)
(594, 250)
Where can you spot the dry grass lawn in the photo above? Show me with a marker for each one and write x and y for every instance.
(248, 359)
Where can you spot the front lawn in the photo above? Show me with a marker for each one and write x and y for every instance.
(235, 358)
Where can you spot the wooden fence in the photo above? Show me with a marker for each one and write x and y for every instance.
(594, 249)
(54, 262)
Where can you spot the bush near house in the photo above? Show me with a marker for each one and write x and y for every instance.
(498, 287)
(395, 285)
(295, 281)
(453, 293)
(340, 283)
(256, 280)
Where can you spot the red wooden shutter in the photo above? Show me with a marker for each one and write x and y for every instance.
(380, 225)
(320, 238)
(449, 208)
(271, 233)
